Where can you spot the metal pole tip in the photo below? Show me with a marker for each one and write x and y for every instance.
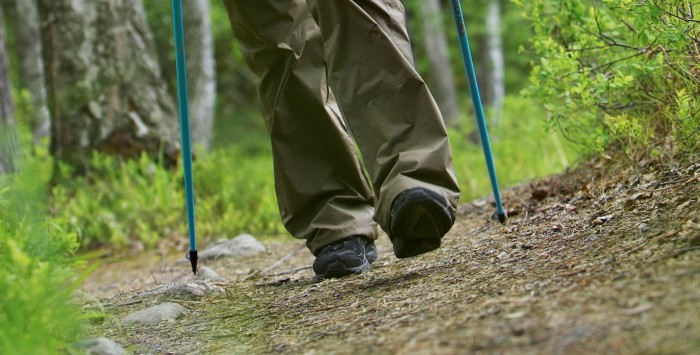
(501, 217)
(192, 257)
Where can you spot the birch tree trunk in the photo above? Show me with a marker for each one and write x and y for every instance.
(496, 72)
(8, 133)
(105, 89)
(201, 70)
(25, 22)
(443, 84)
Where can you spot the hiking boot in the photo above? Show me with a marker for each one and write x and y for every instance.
(419, 219)
(345, 257)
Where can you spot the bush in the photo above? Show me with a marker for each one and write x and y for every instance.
(617, 71)
(36, 268)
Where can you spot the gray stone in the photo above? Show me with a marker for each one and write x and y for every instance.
(243, 245)
(195, 289)
(207, 274)
(643, 227)
(101, 346)
(155, 314)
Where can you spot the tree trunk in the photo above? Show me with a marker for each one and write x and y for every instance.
(494, 48)
(8, 133)
(104, 83)
(443, 84)
(201, 71)
(25, 21)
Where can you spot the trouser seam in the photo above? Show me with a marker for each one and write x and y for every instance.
(391, 86)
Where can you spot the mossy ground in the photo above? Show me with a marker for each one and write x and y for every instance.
(605, 258)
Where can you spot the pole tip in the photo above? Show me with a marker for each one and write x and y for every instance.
(501, 217)
(192, 257)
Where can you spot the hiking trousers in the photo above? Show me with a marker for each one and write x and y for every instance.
(332, 74)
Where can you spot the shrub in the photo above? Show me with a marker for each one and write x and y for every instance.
(36, 268)
(617, 71)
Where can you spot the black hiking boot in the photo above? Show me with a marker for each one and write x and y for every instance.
(419, 220)
(345, 257)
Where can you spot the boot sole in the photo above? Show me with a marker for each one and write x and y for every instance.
(338, 269)
(419, 223)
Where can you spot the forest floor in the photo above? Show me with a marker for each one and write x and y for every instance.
(604, 258)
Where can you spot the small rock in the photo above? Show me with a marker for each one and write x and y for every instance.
(155, 314)
(643, 227)
(600, 220)
(195, 288)
(101, 346)
(207, 274)
(243, 245)
(503, 255)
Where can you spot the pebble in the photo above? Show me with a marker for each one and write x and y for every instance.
(602, 219)
(101, 346)
(242, 245)
(155, 314)
(643, 227)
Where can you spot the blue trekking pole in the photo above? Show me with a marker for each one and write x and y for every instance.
(478, 108)
(181, 64)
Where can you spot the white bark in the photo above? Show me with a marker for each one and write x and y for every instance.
(8, 137)
(201, 69)
(496, 78)
(31, 66)
(442, 81)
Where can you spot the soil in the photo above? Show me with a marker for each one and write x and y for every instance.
(604, 258)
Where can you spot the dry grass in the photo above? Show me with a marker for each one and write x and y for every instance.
(555, 279)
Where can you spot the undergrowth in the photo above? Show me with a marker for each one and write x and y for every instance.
(121, 202)
(618, 73)
(37, 268)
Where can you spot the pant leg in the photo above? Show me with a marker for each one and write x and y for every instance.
(322, 192)
(392, 115)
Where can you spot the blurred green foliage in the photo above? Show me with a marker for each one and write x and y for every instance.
(523, 150)
(140, 201)
(37, 268)
(618, 71)
(515, 32)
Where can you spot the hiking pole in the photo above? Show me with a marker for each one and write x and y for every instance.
(478, 108)
(181, 64)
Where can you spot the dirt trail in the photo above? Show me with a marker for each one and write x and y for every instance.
(602, 259)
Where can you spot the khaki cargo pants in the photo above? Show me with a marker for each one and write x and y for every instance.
(335, 72)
